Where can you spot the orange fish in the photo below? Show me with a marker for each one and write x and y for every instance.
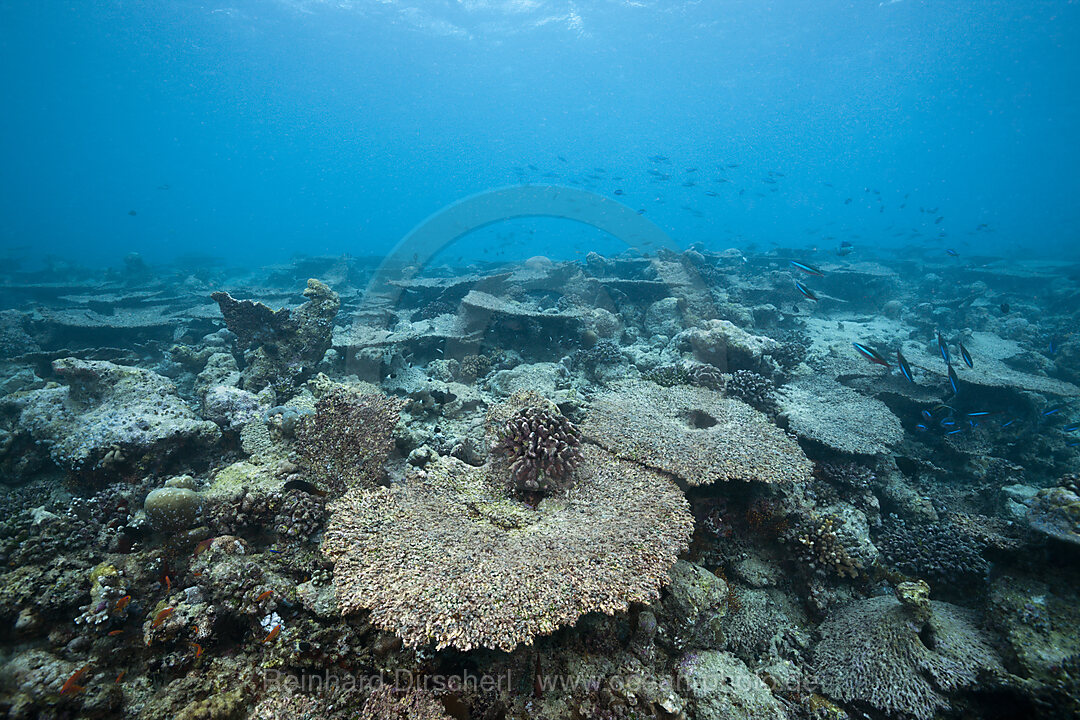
(274, 632)
(122, 603)
(72, 685)
(114, 633)
(203, 546)
(264, 596)
(168, 584)
(120, 676)
(197, 574)
(162, 616)
(198, 648)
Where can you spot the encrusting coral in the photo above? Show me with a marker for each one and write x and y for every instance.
(449, 559)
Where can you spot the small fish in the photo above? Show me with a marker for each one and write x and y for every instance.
(948, 422)
(132, 213)
(305, 486)
(198, 649)
(927, 414)
(120, 677)
(953, 432)
(1052, 411)
(805, 291)
(901, 361)
(122, 603)
(1007, 424)
(264, 595)
(808, 269)
(954, 381)
(845, 248)
(965, 355)
(1005, 308)
(952, 253)
(978, 413)
(618, 191)
(274, 632)
(114, 633)
(870, 354)
(203, 546)
(162, 617)
(921, 427)
(72, 685)
(1072, 427)
(168, 585)
(943, 349)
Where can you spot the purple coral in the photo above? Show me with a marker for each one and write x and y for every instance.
(541, 447)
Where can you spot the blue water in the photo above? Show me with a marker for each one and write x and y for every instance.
(258, 130)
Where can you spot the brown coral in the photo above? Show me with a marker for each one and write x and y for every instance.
(449, 559)
(541, 447)
(345, 443)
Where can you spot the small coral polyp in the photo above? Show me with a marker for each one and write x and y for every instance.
(542, 449)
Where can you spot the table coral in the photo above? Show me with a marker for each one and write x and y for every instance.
(448, 559)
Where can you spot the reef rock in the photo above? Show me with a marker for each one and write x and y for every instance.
(729, 347)
(281, 347)
(721, 687)
(106, 413)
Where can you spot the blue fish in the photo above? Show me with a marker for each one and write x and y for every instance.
(1007, 424)
(952, 253)
(948, 422)
(904, 367)
(1072, 428)
(943, 349)
(1052, 347)
(953, 432)
(1074, 443)
(979, 413)
(954, 381)
(808, 269)
(870, 354)
(965, 355)
(805, 291)
(1052, 411)
(920, 427)
(927, 414)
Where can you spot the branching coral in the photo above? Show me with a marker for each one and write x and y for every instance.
(541, 447)
(817, 543)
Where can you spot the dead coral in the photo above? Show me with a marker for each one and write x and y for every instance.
(345, 443)
(449, 559)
